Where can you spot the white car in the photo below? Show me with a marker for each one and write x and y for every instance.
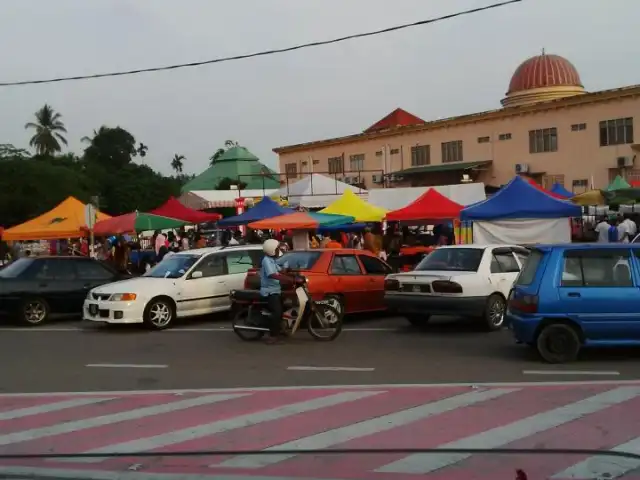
(461, 280)
(184, 284)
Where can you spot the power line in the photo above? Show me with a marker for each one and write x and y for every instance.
(263, 53)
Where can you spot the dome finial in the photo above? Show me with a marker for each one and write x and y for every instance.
(542, 51)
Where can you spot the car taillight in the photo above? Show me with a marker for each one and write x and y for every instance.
(391, 285)
(524, 304)
(445, 286)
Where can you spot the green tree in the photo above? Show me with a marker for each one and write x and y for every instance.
(9, 152)
(227, 145)
(49, 131)
(226, 183)
(177, 163)
(112, 148)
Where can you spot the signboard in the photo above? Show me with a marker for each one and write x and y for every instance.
(89, 216)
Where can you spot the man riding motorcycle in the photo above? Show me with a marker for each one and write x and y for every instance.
(271, 279)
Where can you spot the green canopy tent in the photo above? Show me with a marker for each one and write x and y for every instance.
(135, 222)
(617, 184)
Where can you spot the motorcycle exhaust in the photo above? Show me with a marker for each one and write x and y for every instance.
(250, 328)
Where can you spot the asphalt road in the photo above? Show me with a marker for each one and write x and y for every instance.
(75, 356)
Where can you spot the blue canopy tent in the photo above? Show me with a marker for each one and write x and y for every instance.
(520, 213)
(560, 190)
(265, 208)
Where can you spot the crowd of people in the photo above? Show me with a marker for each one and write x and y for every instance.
(616, 228)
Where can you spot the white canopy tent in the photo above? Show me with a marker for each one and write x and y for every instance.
(316, 191)
(395, 198)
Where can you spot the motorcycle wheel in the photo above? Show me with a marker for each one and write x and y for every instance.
(242, 318)
(332, 319)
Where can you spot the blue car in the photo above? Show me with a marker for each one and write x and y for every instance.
(572, 296)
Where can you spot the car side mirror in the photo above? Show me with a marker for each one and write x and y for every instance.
(196, 274)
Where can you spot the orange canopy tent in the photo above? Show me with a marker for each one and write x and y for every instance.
(64, 221)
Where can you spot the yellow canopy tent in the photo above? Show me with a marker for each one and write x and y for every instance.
(64, 221)
(592, 197)
(352, 205)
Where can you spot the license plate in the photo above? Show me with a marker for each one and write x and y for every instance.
(416, 288)
(93, 309)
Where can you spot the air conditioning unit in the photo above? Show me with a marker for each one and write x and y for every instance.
(348, 180)
(522, 168)
(624, 162)
(377, 178)
(355, 180)
(340, 179)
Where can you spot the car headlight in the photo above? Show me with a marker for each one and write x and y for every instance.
(122, 297)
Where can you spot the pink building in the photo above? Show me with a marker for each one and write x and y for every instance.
(548, 128)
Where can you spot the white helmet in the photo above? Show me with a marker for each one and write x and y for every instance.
(270, 247)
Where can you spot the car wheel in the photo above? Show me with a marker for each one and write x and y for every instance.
(558, 343)
(159, 313)
(417, 320)
(34, 311)
(494, 312)
(335, 301)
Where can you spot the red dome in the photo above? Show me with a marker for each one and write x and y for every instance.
(544, 71)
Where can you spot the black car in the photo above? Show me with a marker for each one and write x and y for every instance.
(34, 288)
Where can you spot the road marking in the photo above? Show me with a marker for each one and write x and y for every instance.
(204, 430)
(500, 436)
(76, 425)
(124, 365)
(50, 407)
(601, 466)
(570, 372)
(380, 424)
(332, 369)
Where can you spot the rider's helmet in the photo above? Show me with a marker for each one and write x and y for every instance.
(270, 247)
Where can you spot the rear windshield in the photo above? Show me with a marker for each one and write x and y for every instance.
(298, 260)
(528, 272)
(14, 269)
(452, 259)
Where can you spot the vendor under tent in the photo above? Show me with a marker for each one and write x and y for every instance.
(265, 208)
(352, 205)
(66, 220)
(301, 221)
(172, 208)
(561, 191)
(522, 214)
(431, 205)
(135, 222)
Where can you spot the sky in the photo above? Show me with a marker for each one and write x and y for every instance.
(440, 70)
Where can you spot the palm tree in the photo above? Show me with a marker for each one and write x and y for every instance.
(177, 163)
(49, 129)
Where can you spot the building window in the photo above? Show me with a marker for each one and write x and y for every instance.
(452, 151)
(394, 151)
(291, 169)
(379, 153)
(356, 162)
(504, 136)
(616, 132)
(543, 140)
(484, 139)
(420, 155)
(580, 186)
(549, 181)
(316, 162)
(336, 165)
(577, 127)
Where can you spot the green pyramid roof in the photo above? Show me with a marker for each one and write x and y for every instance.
(234, 163)
(617, 184)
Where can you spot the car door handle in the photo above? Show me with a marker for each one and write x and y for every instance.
(573, 294)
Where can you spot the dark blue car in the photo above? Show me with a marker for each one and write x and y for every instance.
(571, 296)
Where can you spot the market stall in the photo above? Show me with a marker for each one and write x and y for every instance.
(351, 205)
(172, 208)
(561, 191)
(135, 222)
(301, 221)
(316, 191)
(431, 205)
(264, 209)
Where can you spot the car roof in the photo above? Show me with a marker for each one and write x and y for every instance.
(66, 257)
(334, 250)
(208, 250)
(583, 246)
(481, 245)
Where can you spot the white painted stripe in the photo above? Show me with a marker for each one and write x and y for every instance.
(570, 372)
(124, 365)
(503, 435)
(345, 386)
(76, 425)
(603, 466)
(331, 369)
(383, 423)
(50, 407)
(178, 436)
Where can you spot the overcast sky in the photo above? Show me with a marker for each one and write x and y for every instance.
(454, 67)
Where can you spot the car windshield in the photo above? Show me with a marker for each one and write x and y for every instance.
(14, 269)
(298, 260)
(452, 259)
(528, 272)
(173, 266)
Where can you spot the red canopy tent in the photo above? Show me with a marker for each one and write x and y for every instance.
(172, 208)
(431, 205)
(542, 189)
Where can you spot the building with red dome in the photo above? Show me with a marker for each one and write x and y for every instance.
(549, 128)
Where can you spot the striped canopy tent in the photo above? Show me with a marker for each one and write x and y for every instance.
(301, 221)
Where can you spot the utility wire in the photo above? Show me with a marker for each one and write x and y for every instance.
(263, 53)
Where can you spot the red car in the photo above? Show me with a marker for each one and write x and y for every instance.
(349, 280)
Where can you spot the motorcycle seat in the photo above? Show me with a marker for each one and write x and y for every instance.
(252, 296)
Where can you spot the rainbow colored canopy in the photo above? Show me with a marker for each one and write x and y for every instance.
(301, 221)
(135, 222)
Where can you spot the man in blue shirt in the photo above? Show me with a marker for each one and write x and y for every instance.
(271, 287)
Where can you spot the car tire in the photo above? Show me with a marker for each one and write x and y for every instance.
(335, 301)
(418, 320)
(159, 313)
(494, 312)
(34, 311)
(558, 343)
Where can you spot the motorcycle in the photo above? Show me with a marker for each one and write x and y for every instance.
(251, 322)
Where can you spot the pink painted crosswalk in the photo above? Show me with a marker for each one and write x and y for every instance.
(598, 416)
